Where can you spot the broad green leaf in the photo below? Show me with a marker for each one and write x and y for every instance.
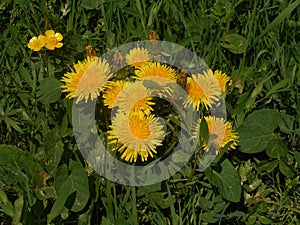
(64, 129)
(297, 157)
(227, 180)
(65, 185)
(49, 90)
(251, 219)
(285, 169)
(7, 209)
(85, 218)
(80, 184)
(18, 204)
(5, 204)
(205, 203)
(257, 130)
(9, 154)
(235, 43)
(204, 130)
(276, 148)
(208, 217)
(62, 195)
(287, 123)
(18, 160)
(264, 220)
(54, 148)
(262, 207)
(269, 166)
(60, 176)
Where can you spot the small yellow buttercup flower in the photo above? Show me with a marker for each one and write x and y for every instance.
(53, 40)
(37, 43)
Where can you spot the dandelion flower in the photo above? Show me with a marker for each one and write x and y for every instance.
(135, 135)
(161, 74)
(136, 99)
(37, 43)
(222, 79)
(88, 79)
(53, 40)
(111, 91)
(223, 132)
(202, 89)
(137, 57)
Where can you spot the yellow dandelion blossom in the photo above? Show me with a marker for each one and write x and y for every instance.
(202, 89)
(111, 91)
(137, 57)
(223, 132)
(222, 79)
(161, 74)
(135, 99)
(37, 43)
(53, 40)
(88, 79)
(135, 135)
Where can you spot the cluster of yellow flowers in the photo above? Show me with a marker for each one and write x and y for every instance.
(50, 40)
(135, 131)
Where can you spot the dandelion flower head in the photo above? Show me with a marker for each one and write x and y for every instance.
(137, 57)
(135, 98)
(88, 79)
(202, 89)
(222, 79)
(223, 131)
(155, 71)
(111, 92)
(135, 135)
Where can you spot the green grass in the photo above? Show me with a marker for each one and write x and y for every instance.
(255, 42)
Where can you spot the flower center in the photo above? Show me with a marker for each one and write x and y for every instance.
(139, 128)
(196, 90)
